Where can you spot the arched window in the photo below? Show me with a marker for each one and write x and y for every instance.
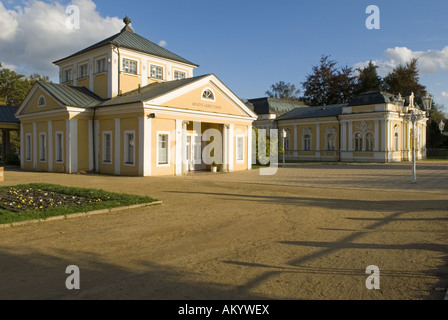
(396, 142)
(358, 142)
(208, 94)
(41, 101)
(306, 139)
(369, 141)
(396, 138)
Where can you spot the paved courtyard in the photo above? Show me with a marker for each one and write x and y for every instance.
(307, 232)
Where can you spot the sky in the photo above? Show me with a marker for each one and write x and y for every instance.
(247, 44)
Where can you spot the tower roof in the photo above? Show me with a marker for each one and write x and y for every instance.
(127, 38)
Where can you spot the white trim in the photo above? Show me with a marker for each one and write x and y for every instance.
(147, 147)
(22, 143)
(97, 145)
(74, 145)
(28, 147)
(141, 145)
(179, 146)
(34, 145)
(50, 146)
(68, 166)
(117, 137)
(156, 65)
(212, 92)
(91, 151)
(38, 101)
(125, 149)
(56, 146)
(167, 164)
(43, 147)
(103, 145)
(249, 147)
(231, 138)
(239, 136)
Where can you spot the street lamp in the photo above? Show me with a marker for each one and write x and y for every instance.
(283, 144)
(427, 104)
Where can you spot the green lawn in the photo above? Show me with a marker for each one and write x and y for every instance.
(40, 201)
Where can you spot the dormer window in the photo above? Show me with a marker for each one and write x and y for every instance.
(101, 65)
(156, 72)
(178, 75)
(42, 102)
(83, 71)
(208, 94)
(130, 66)
(67, 75)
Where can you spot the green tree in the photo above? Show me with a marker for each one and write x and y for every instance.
(328, 84)
(434, 138)
(405, 79)
(368, 79)
(14, 86)
(283, 90)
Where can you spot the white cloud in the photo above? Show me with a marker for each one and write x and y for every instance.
(163, 43)
(429, 62)
(444, 94)
(36, 34)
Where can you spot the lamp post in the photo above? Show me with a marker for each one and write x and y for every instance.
(283, 144)
(427, 104)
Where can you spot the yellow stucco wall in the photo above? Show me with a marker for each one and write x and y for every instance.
(129, 82)
(163, 125)
(51, 103)
(83, 145)
(84, 82)
(59, 125)
(101, 85)
(129, 124)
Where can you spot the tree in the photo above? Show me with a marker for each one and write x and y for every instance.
(434, 138)
(329, 85)
(282, 90)
(14, 86)
(368, 79)
(405, 79)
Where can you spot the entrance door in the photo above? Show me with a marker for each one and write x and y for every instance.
(193, 152)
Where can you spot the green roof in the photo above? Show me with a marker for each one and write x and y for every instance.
(130, 40)
(71, 96)
(149, 91)
(274, 106)
(314, 112)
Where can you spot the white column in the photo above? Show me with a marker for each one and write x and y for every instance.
(296, 139)
(350, 136)
(225, 148)
(22, 146)
(117, 158)
(50, 146)
(383, 135)
(184, 148)
(91, 71)
(91, 143)
(317, 152)
(34, 145)
(231, 138)
(377, 135)
(97, 145)
(249, 147)
(68, 165)
(343, 136)
(178, 147)
(147, 147)
(74, 144)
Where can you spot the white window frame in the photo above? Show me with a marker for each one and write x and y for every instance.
(370, 141)
(156, 73)
(43, 104)
(69, 72)
(208, 99)
(98, 63)
(176, 74)
(126, 148)
(307, 142)
(123, 66)
(28, 147)
(358, 142)
(42, 147)
(103, 158)
(238, 151)
(81, 67)
(167, 164)
(56, 134)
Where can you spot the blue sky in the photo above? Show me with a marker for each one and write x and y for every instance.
(251, 44)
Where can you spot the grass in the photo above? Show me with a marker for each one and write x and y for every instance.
(41, 201)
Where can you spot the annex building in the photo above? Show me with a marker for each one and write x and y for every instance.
(127, 106)
(373, 127)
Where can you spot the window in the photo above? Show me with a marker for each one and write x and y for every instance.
(358, 142)
(208, 94)
(369, 141)
(287, 140)
(59, 147)
(67, 75)
(156, 72)
(42, 102)
(162, 149)
(330, 142)
(42, 147)
(396, 140)
(83, 71)
(179, 75)
(130, 66)
(101, 65)
(306, 142)
(240, 148)
(107, 147)
(129, 147)
(28, 147)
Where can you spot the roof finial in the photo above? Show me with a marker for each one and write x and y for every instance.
(127, 22)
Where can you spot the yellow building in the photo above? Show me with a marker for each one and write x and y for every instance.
(127, 106)
(373, 127)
